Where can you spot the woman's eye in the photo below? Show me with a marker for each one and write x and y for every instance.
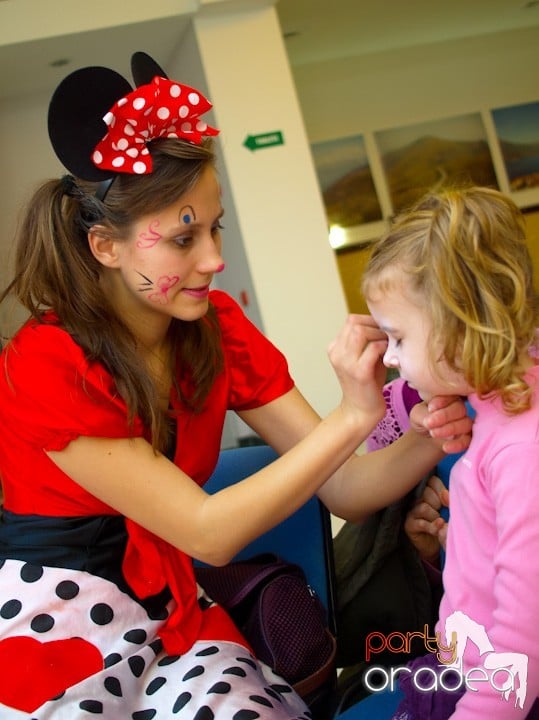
(217, 228)
(183, 240)
(398, 342)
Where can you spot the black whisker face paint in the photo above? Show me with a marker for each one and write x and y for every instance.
(147, 284)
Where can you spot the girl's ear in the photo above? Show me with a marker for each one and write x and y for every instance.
(102, 246)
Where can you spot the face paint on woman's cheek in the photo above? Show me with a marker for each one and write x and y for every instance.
(164, 283)
(146, 283)
(187, 214)
(150, 237)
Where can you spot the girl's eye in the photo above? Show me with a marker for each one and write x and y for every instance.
(398, 342)
(217, 228)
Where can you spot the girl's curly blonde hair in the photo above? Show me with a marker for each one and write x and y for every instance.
(465, 252)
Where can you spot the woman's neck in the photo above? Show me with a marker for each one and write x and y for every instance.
(158, 362)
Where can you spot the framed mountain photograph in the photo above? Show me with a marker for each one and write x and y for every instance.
(435, 154)
(517, 129)
(346, 182)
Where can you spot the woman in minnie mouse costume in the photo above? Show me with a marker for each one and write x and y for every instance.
(113, 398)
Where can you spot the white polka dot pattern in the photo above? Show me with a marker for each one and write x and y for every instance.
(161, 109)
(72, 645)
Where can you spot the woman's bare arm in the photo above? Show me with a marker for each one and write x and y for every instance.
(367, 482)
(128, 476)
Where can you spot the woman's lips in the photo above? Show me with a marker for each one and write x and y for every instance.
(198, 292)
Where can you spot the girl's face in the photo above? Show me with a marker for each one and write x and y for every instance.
(168, 261)
(401, 314)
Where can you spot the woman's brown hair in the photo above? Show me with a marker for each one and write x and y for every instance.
(55, 269)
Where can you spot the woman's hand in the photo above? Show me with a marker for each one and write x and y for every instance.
(425, 527)
(444, 419)
(356, 356)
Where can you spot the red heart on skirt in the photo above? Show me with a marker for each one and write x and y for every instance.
(33, 672)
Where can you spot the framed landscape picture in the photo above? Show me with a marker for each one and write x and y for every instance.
(346, 182)
(435, 154)
(517, 129)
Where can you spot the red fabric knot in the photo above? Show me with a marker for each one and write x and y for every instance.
(149, 565)
(161, 109)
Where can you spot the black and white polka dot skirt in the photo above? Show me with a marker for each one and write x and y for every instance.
(73, 646)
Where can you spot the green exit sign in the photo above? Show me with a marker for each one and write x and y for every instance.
(264, 140)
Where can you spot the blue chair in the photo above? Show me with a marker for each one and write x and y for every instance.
(375, 707)
(304, 538)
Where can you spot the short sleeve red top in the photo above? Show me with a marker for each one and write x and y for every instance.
(50, 394)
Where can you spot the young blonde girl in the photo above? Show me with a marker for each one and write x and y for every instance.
(451, 286)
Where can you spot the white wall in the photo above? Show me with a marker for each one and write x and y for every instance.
(275, 195)
(383, 90)
(27, 159)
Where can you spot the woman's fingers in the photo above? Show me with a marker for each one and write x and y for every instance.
(356, 356)
(446, 420)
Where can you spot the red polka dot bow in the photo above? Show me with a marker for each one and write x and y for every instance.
(160, 109)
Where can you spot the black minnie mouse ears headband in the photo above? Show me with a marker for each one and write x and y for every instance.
(99, 126)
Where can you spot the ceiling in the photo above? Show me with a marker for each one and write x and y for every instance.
(314, 31)
(318, 30)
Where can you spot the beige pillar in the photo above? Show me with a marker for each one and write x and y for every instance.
(276, 224)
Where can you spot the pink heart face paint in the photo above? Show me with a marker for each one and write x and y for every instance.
(163, 284)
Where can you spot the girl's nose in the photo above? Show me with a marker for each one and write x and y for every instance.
(389, 359)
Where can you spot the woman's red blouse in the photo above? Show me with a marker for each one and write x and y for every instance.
(50, 394)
